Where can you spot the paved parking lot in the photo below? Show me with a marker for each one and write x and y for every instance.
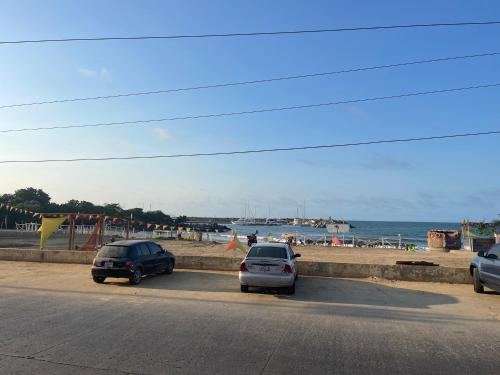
(55, 320)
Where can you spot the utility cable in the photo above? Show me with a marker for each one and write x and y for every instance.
(250, 34)
(251, 82)
(256, 151)
(255, 111)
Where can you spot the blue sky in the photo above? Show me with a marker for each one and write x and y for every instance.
(432, 181)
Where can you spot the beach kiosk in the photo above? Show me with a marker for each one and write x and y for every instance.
(480, 235)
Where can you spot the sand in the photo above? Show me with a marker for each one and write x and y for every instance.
(332, 254)
(311, 253)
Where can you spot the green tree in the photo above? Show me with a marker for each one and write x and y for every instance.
(137, 214)
(180, 220)
(157, 217)
(37, 200)
(113, 209)
(31, 195)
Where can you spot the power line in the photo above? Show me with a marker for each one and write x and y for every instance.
(260, 33)
(265, 80)
(255, 111)
(298, 148)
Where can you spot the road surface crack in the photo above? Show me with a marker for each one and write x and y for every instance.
(276, 347)
(31, 358)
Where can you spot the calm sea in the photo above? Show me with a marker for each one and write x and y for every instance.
(411, 232)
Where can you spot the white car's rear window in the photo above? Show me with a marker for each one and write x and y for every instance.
(267, 252)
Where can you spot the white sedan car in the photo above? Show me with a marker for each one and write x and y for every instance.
(269, 265)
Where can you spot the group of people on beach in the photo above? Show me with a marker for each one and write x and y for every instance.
(290, 239)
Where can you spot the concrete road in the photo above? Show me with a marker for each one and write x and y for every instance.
(55, 320)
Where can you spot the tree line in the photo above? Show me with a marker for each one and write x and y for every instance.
(37, 200)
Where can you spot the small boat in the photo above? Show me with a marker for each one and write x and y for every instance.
(271, 222)
(245, 221)
(300, 222)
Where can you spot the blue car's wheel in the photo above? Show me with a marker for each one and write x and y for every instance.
(136, 277)
(169, 268)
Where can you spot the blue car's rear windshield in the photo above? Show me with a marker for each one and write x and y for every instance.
(267, 252)
(111, 251)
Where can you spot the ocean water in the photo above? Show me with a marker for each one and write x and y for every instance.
(411, 232)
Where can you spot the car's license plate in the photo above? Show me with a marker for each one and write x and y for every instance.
(264, 269)
(108, 264)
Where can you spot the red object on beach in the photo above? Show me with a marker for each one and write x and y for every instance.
(336, 241)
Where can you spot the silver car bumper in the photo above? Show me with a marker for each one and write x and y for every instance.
(263, 280)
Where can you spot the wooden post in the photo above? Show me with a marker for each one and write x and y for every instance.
(71, 244)
(101, 229)
(69, 232)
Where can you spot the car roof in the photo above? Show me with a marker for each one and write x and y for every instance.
(127, 242)
(270, 244)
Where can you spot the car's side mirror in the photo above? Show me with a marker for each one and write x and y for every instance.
(492, 256)
(297, 256)
(480, 253)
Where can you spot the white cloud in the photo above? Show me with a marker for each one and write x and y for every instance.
(161, 134)
(102, 73)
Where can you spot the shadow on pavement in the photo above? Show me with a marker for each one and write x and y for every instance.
(195, 281)
(492, 292)
(348, 291)
(314, 295)
(308, 289)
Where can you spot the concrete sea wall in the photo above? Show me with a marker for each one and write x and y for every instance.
(308, 268)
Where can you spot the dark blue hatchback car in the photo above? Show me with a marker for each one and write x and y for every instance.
(485, 269)
(131, 259)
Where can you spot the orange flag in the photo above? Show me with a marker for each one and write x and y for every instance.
(235, 244)
(336, 241)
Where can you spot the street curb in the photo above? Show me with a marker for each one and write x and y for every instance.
(454, 275)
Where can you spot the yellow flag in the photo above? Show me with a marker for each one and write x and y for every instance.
(49, 226)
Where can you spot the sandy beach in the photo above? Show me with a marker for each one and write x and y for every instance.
(311, 252)
(331, 254)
